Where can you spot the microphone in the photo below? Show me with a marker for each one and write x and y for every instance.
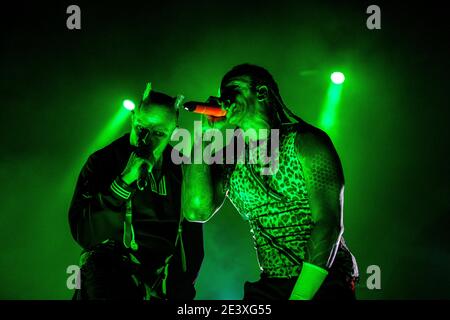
(143, 175)
(210, 108)
(144, 150)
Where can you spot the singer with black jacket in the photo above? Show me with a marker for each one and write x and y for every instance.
(125, 214)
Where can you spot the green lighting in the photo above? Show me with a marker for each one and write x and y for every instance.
(337, 77)
(128, 104)
(111, 130)
(329, 110)
(108, 133)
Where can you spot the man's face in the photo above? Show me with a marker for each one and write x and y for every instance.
(159, 120)
(245, 111)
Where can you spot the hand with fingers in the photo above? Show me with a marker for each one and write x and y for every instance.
(132, 171)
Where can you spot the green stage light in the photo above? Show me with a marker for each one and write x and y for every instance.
(128, 104)
(337, 77)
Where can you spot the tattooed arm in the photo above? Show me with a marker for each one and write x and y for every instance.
(325, 184)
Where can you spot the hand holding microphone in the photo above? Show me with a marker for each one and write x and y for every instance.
(132, 171)
(141, 161)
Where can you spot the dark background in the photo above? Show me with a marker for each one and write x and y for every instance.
(61, 89)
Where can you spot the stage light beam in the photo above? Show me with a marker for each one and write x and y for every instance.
(331, 104)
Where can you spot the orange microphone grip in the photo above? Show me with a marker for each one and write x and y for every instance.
(210, 110)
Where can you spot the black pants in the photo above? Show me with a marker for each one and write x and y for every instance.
(335, 287)
(109, 273)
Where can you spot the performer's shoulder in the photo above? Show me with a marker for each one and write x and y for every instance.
(115, 147)
(305, 129)
(307, 134)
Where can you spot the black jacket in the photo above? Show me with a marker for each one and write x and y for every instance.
(97, 212)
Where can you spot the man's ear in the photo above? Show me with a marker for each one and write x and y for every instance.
(262, 93)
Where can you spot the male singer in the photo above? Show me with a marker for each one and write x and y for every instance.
(295, 214)
(125, 214)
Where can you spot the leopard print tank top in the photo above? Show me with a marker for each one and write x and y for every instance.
(276, 207)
